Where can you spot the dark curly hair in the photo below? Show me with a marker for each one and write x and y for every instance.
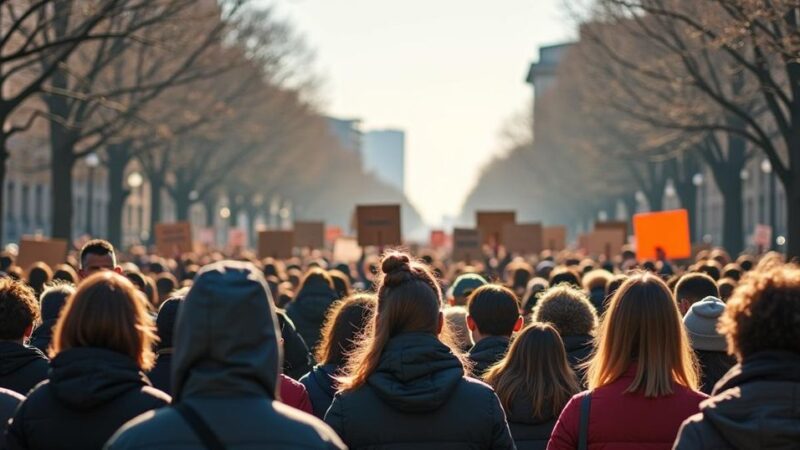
(18, 309)
(764, 312)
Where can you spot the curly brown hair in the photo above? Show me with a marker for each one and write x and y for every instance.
(764, 312)
(18, 309)
(567, 309)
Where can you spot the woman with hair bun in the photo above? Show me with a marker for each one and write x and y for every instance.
(405, 385)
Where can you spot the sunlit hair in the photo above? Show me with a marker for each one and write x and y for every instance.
(345, 323)
(536, 369)
(409, 300)
(643, 326)
(106, 312)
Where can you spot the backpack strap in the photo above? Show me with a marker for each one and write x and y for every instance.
(583, 430)
(199, 426)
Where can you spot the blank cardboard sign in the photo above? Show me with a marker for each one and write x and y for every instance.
(612, 225)
(523, 238)
(379, 225)
(346, 250)
(603, 242)
(491, 224)
(467, 244)
(309, 235)
(275, 244)
(554, 238)
(49, 251)
(174, 238)
(662, 235)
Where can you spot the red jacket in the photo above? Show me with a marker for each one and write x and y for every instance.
(626, 421)
(294, 394)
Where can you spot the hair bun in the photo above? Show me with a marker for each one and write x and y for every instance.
(395, 262)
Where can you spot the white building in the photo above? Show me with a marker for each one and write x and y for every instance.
(383, 153)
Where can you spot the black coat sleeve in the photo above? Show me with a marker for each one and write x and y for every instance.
(296, 358)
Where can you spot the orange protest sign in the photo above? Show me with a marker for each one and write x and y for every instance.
(173, 239)
(554, 238)
(467, 244)
(523, 238)
(662, 235)
(49, 251)
(309, 235)
(378, 225)
(275, 244)
(491, 224)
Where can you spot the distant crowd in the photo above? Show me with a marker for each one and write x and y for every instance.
(394, 351)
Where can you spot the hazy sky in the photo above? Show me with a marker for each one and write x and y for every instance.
(448, 72)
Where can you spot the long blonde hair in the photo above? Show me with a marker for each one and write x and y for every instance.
(643, 326)
(409, 300)
(535, 368)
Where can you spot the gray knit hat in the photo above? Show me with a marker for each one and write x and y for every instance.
(701, 324)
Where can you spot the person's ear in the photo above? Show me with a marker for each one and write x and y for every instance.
(118, 270)
(471, 323)
(518, 325)
(28, 331)
(441, 323)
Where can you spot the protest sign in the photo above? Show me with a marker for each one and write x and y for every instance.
(173, 239)
(49, 251)
(491, 224)
(275, 244)
(309, 235)
(467, 245)
(522, 238)
(662, 235)
(378, 225)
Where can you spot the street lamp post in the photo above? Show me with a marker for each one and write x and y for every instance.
(766, 167)
(697, 181)
(135, 182)
(92, 161)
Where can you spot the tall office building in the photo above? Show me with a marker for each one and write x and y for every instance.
(347, 132)
(383, 153)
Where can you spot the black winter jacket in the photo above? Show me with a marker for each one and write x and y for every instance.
(308, 310)
(296, 357)
(419, 398)
(319, 384)
(713, 366)
(43, 335)
(160, 375)
(225, 367)
(756, 405)
(21, 367)
(486, 352)
(90, 394)
(578, 348)
(529, 433)
(9, 400)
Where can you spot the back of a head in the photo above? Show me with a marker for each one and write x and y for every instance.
(643, 325)
(494, 309)
(65, 272)
(464, 285)
(18, 309)
(39, 274)
(536, 286)
(226, 336)
(6, 261)
(316, 279)
(341, 283)
(564, 275)
(535, 369)
(348, 320)
(106, 312)
(54, 298)
(764, 313)
(165, 285)
(695, 286)
(567, 309)
(165, 320)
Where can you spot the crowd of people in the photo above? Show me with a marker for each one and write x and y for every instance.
(549, 351)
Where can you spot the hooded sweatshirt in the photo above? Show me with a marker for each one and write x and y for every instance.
(419, 398)
(756, 405)
(308, 310)
(21, 367)
(90, 394)
(225, 366)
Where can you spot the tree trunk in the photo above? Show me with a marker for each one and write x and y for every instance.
(182, 207)
(61, 164)
(118, 159)
(210, 205)
(793, 218)
(3, 171)
(687, 194)
(156, 186)
(732, 217)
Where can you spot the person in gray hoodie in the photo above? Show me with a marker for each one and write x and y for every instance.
(225, 374)
(757, 403)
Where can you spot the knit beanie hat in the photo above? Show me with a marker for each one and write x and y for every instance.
(466, 283)
(701, 324)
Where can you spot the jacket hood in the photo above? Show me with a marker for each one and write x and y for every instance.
(323, 377)
(86, 377)
(757, 404)
(490, 349)
(416, 372)
(13, 356)
(226, 336)
(313, 301)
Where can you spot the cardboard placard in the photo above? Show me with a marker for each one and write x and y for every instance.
(523, 238)
(612, 225)
(662, 235)
(554, 238)
(207, 237)
(332, 233)
(275, 244)
(467, 244)
(438, 238)
(309, 235)
(173, 238)
(491, 224)
(237, 238)
(346, 250)
(49, 251)
(379, 225)
(762, 236)
(603, 242)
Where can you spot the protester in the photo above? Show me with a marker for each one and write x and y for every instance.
(726, 287)
(532, 293)
(101, 344)
(709, 346)
(225, 374)
(39, 274)
(406, 388)
(570, 311)
(693, 287)
(296, 357)
(594, 283)
(52, 301)
(65, 273)
(347, 321)
(21, 367)
(341, 283)
(756, 404)
(456, 320)
(97, 255)
(534, 382)
(166, 283)
(642, 378)
(492, 316)
(565, 275)
(165, 324)
(464, 285)
(311, 304)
